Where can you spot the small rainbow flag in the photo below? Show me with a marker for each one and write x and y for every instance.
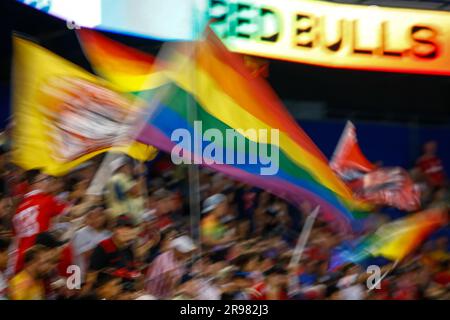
(213, 84)
(394, 240)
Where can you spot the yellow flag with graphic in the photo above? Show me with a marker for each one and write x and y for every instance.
(63, 115)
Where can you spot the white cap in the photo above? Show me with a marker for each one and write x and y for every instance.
(183, 244)
(213, 202)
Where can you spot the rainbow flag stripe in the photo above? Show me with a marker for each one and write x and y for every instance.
(224, 95)
(291, 182)
(394, 240)
(129, 69)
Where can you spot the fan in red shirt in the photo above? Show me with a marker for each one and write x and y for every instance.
(431, 166)
(273, 288)
(33, 216)
(443, 277)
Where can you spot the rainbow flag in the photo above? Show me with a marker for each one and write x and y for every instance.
(393, 240)
(209, 84)
(128, 69)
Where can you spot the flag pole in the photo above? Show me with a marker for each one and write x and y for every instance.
(303, 237)
(340, 143)
(293, 286)
(194, 180)
(193, 169)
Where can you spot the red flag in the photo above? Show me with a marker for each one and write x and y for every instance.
(348, 157)
(380, 186)
(390, 186)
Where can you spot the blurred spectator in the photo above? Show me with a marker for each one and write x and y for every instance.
(6, 207)
(308, 276)
(106, 287)
(149, 238)
(216, 237)
(431, 166)
(167, 269)
(76, 188)
(4, 245)
(124, 193)
(33, 216)
(274, 287)
(350, 286)
(247, 200)
(28, 284)
(405, 287)
(442, 277)
(50, 275)
(162, 199)
(3, 170)
(237, 287)
(440, 254)
(212, 227)
(86, 239)
(115, 253)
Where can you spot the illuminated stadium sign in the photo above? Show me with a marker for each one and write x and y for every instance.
(336, 35)
(313, 32)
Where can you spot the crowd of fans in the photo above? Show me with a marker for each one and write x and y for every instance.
(139, 241)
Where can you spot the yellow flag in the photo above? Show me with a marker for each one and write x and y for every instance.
(64, 115)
